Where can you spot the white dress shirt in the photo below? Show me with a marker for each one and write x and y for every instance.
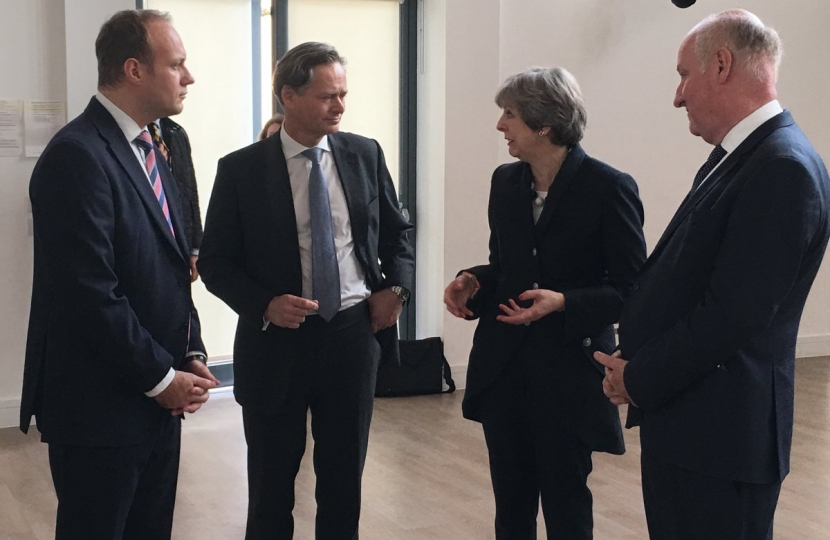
(132, 130)
(353, 287)
(744, 129)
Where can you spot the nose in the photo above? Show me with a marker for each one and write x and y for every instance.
(339, 105)
(188, 78)
(500, 124)
(678, 96)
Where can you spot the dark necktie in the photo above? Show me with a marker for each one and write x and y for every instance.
(154, 131)
(325, 273)
(714, 158)
(145, 142)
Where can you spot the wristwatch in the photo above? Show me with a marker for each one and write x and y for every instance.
(401, 292)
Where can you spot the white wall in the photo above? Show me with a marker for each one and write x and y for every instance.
(38, 39)
(624, 55)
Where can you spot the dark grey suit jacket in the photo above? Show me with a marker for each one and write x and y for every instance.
(250, 250)
(711, 330)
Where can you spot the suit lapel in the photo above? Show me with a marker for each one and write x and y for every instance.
(281, 199)
(560, 186)
(123, 153)
(348, 165)
(171, 191)
(723, 173)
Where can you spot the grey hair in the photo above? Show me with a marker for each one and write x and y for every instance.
(547, 97)
(124, 36)
(754, 45)
(296, 68)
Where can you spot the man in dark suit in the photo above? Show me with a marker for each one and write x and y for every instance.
(114, 355)
(709, 335)
(304, 240)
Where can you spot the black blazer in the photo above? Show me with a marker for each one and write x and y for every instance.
(181, 161)
(588, 244)
(250, 250)
(111, 309)
(711, 330)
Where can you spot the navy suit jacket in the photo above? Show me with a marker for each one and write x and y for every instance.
(250, 251)
(711, 330)
(111, 309)
(587, 244)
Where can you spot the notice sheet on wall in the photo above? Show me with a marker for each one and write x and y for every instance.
(42, 119)
(11, 122)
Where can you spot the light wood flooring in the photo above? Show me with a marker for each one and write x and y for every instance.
(426, 476)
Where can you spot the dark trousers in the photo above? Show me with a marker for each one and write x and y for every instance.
(119, 493)
(334, 378)
(533, 456)
(684, 505)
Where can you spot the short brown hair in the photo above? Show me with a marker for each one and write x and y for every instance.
(296, 68)
(122, 37)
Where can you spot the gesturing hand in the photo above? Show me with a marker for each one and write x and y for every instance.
(288, 311)
(544, 302)
(459, 292)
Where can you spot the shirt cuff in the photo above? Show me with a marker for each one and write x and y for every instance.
(265, 324)
(162, 386)
(194, 251)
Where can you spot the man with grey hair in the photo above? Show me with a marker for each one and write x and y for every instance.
(304, 240)
(707, 340)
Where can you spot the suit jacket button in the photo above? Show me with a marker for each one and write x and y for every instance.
(635, 287)
(533, 252)
(586, 342)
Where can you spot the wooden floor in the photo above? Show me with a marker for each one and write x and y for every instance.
(426, 477)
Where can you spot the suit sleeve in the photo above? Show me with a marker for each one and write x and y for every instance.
(590, 309)
(74, 221)
(488, 275)
(222, 254)
(397, 261)
(770, 229)
(194, 213)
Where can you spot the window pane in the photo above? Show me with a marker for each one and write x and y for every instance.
(366, 33)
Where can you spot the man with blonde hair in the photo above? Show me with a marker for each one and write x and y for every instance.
(707, 340)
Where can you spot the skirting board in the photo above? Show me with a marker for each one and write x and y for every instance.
(9, 412)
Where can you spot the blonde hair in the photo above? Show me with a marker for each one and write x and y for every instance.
(276, 119)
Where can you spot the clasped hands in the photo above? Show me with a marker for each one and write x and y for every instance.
(188, 390)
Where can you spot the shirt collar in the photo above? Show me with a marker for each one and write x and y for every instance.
(745, 127)
(127, 125)
(291, 148)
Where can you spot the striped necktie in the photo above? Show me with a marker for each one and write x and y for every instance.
(145, 142)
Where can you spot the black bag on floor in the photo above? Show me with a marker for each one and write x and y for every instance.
(422, 370)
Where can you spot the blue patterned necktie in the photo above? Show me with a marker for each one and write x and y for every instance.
(714, 158)
(325, 273)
